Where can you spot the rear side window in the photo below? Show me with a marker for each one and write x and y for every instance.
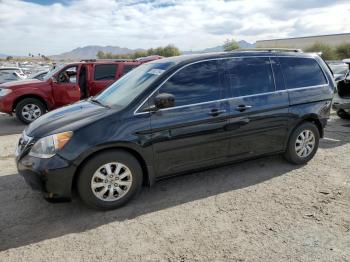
(248, 76)
(105, 72)
(193, 84)
(128, 68)
(301, 72)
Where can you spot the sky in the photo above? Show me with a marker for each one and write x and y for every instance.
(52, 27)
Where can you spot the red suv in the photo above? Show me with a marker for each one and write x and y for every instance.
(66, 84)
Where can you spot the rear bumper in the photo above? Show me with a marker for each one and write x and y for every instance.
(340, 105)
(53, 176)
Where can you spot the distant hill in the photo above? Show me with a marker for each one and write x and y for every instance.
(89, 52)
(2, 56)
(220, 48)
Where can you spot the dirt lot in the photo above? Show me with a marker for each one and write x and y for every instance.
(262, 210)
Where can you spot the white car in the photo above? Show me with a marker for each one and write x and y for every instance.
(8, 74)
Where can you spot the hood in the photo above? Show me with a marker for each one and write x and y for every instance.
(21, 83)
(68, 118)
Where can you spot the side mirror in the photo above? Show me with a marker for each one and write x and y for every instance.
(161, 101)
(164, 100)
(54, 79)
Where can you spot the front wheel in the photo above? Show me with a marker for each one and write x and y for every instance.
(29, 109)
(302, 144)
(343, 114)
(109, 180)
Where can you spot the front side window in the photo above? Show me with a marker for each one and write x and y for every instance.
(105, 72)
(248, 76)
(301, 72)
(68, 75)
(193, 84)
(127, 88)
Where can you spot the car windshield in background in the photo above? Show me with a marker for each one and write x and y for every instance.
(52, 72)
(127, 88)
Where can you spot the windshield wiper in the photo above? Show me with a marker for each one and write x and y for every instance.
(98, 102)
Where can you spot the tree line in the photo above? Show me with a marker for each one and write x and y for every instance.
(331, 53)
(167, 51)
(328, 52)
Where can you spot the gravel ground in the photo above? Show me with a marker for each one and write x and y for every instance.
(261, 210)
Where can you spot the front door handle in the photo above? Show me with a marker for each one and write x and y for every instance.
(242, 108)
(216, 112)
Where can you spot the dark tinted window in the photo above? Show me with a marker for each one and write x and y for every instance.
(195, 83)
(301, 72)
(277, 72)
(128, 68)
(105, 72)
(249, 76)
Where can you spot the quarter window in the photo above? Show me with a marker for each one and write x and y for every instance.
(248, 76)
(105, 72)
(193, 84)
(301, 72)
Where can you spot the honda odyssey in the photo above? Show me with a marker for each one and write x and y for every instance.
(177, 115)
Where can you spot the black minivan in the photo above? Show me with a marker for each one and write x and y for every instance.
(176, 115)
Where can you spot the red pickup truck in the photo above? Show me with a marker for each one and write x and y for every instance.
(66, 84)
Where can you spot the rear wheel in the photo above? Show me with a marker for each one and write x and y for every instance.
(110, 180)
(303, 143)
(343, 114)
(29, 109)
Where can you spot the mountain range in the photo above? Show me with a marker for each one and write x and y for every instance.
(90, 51)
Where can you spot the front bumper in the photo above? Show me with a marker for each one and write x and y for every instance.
(53, 176)
(6, 103)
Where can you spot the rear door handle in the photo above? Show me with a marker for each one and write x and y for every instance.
(242, 108)
(216, 112)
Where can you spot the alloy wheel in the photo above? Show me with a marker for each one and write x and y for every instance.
(30, 112)
(111, 181)
(305, 143)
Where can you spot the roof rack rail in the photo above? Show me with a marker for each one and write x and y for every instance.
(108, 60)
(271, 49)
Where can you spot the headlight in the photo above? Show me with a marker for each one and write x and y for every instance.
(47, 147)
(4, 91)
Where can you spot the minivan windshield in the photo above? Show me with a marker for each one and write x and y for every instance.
(128, 87)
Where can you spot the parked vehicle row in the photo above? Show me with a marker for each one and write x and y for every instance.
(64, 85)
(341, 101)
(172, 116)
(8, 74)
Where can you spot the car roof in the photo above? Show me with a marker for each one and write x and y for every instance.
(9, 68)
(107, 61)
(218, 55)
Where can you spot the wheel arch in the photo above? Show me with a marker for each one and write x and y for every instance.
(312, 118)
(147, 171)
(35, 96)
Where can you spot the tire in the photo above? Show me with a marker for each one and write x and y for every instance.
(343, 114)
(103, 192)
(295, 153)
(29, 109)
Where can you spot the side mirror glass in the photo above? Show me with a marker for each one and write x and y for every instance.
(164, 100)
(161, 101)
